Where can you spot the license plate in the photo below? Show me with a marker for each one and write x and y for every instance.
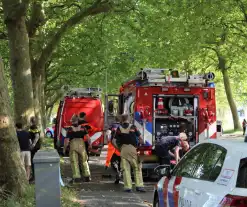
(184, 202)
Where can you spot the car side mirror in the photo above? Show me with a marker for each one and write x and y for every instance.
(163, 170)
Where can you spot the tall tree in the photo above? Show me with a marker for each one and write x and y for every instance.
(12, 179)
(14, 18)
(39, 61)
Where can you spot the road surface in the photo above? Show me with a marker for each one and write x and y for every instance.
(102, 192)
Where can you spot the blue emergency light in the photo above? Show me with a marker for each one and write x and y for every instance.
(138, 84)
(211, 85)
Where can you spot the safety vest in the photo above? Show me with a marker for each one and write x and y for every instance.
(111, 150)
(33, 130)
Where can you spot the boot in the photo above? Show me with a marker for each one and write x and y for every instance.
(77, 180)
(87, 179)
(140, 189)
(128, 190)
(117, 179)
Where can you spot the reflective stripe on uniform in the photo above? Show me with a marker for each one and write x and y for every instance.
(34, 131)
(125, 130)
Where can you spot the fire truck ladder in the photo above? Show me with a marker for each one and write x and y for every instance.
(82, 92)
(162, 77)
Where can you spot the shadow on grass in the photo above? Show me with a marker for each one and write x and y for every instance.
(232, 131)
(68, 199)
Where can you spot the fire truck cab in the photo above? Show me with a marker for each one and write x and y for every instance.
(159, 100)
(75, 101)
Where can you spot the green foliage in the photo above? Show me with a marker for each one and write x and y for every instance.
(136, 34)
(4, 52)
(27, 200)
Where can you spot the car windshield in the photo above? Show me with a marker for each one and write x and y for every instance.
(242, 174)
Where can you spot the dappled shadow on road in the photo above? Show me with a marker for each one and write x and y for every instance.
(102, 192)
(232, 136)
(111, 198)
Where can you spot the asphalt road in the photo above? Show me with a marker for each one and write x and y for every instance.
(102, 192)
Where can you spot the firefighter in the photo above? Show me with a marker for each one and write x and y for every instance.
(168, 147)
(113, 154)
(91, 129)
(36, 142)
(75, 137)
(126, 140)
(84, 123)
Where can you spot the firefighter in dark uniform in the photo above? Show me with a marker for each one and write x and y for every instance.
(84, 123)
(90, 128)
(34, 132)
(75, 137)
(126, 139)
(168, 147)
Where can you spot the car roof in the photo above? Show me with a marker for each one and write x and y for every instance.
(231, 144)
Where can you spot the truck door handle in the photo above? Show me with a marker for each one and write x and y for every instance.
(177, 187)
(197, 192)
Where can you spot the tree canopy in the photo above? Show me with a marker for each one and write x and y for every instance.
(46, 44)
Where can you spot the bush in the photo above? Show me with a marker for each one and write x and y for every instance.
(69, 199)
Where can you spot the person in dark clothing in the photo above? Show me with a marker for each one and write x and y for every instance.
(244, 126)
(90, 128)
(165, 145)
(36, 141)
(82, 117)
(84, 123)
(25, 142)
(75, 137)
(126, 139)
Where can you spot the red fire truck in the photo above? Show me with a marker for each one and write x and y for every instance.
(78, 100)
(158, 100)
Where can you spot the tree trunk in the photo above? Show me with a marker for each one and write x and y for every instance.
(230, 99)
(19, 60)
(12, 173)
(48, 113)
(37, 92)
(43, 104)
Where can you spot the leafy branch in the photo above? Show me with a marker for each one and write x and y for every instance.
(97, 8)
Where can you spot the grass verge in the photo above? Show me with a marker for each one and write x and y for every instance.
(68, 199)
(232, 131)
(68, 196)
(47, 143)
